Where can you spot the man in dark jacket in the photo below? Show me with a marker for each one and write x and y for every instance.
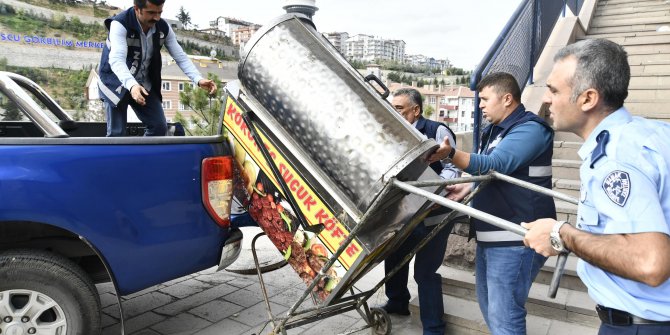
(407, 102)
(520, 144)
(130, 67)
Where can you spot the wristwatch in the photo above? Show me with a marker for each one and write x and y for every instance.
(555, 237)
(450, 157)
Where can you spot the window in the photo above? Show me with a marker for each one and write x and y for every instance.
(166, 86)
(463, 114)
(182, 107)
(181, 87)
(432, 99)
(441, 112)
(472, 115)
(167, 104)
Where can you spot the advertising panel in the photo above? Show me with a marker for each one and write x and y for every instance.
(306, 249)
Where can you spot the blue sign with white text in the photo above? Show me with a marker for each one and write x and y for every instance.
(50, 41)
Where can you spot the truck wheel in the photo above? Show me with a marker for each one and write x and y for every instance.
(44, 293)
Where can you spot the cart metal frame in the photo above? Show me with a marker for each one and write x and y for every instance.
(376, 318)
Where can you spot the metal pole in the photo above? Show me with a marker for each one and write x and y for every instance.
(533, 187)
(447, 182)
(533, 38)
(29, 107)
(488, 218)
(496, 221)
(260, 278)
(477, 124)
(424, 241)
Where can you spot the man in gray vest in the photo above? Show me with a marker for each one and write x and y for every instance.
(408, 103)
(130, 67)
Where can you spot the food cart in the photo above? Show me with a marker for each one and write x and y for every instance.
(331, 173)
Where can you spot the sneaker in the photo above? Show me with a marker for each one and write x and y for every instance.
(393, 309)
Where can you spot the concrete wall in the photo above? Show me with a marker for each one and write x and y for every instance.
(20, 54)
(464, 141)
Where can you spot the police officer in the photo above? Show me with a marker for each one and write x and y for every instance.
(623, 224)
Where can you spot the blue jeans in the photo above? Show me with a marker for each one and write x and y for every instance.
(503, 278)
(429, 283)
(150, 114)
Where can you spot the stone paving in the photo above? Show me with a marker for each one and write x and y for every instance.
(226, 303)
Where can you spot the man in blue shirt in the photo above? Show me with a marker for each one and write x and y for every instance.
(407, 102)
(520, 144)
(623, 218)
(130, 67)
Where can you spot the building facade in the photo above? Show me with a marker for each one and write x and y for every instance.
(338, 40)
(229, 24)
(369, 48)
(243, 34)
(429, 62)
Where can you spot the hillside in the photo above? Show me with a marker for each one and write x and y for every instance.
(57, 43)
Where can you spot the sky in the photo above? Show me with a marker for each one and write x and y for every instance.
(461, 31)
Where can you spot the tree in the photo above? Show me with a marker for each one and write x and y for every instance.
(394, 76)
(10, 112)
(428, 111)
(205, 119)
(184, 17)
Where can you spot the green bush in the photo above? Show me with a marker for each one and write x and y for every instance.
(29, 22)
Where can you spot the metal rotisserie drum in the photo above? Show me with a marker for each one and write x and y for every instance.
(335, 143)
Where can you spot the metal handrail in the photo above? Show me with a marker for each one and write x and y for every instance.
(537, 42)
(493, 52)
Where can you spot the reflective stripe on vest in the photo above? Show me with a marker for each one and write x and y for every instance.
(539, 171)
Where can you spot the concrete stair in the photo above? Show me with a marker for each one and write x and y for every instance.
(635, 25)
(565, 170)
(571, 312)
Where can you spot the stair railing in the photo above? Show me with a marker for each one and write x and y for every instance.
(518, 47)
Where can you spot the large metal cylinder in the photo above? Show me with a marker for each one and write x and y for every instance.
(339, 121)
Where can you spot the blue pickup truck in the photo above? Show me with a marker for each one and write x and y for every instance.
(77, 208)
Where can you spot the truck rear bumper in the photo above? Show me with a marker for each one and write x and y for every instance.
(231, 249)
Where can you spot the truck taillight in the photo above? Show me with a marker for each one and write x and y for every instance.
(217, 188)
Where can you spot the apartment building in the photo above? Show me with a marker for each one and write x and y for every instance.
(368, 48)
(229, 24)
(243, 34)
(429, 62)
(338, 40)
(457, 108)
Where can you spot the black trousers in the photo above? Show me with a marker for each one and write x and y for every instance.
(606, 329)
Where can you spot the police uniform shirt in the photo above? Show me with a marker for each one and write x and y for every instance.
(625, 189)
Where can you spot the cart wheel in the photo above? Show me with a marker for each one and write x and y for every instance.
(380, 322)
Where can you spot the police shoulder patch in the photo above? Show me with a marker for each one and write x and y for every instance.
(617, 187)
